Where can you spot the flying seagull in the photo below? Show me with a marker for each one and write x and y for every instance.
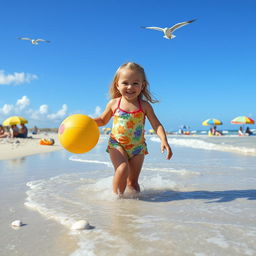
(34, 41)
(168, 31)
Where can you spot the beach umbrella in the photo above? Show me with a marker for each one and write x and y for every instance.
(12, 120)
(211, 121)
(242, 120)
(106, 130)
(151, 131)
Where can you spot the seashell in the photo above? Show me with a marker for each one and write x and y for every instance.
(17, 223)
(80, 225)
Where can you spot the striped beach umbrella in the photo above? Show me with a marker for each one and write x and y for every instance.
(211, 121)
(242, 120)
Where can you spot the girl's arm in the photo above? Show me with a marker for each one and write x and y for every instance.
(106, 115)
(159, 129)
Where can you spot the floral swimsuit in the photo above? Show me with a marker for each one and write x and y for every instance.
(128, 131)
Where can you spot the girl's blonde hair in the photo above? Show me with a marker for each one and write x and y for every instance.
(145, 93)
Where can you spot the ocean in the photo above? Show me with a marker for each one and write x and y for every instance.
(201, 202)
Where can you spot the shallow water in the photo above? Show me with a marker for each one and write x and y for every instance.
(202, 202)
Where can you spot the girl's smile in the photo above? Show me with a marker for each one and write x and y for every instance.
(130, 84)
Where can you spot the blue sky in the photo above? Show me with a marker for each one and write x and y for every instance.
(207, 71)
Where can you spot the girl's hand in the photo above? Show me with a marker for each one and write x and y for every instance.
(165, 146)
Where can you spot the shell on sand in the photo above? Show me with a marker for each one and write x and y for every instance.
(17, 223)
(80, 225)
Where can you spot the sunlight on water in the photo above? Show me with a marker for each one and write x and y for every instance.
(199, 197)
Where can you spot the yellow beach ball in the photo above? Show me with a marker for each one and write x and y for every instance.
(78, 133)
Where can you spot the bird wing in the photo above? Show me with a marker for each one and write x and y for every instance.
(24, 38)
(42, 40)
(155, 28)
(181, 24)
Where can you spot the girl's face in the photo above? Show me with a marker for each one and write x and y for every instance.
(130, 84)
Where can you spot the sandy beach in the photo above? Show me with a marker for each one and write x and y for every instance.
(11, 148)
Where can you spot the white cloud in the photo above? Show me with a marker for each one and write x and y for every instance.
(23, 102)
(21, 107)
(59, 114)
(6, 109)
(43, 109)
(16, 78)
(97, 112)
(41, 115)
(38, 114)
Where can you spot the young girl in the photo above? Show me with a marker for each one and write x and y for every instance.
(129, 107)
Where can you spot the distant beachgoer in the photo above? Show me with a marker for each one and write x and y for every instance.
(180, 131)
(3, 133)
(248, 131)
(14, 131)
(35, 130)
(217, 132)
(214, 132)
(129, 106)
(23, 132)
(240, 131)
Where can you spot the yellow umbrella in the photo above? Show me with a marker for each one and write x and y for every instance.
(106, 130)
(12, 120)
(151, 131)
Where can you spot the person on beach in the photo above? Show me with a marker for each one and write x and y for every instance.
(3, 133)
(35, 130)
(14, 131)
(240, 131)
(214, 132)
(248, 131)
(129, 106)
(23, 131)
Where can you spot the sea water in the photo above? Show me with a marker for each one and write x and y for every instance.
(201, 202)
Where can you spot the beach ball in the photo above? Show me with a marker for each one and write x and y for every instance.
(78, 133)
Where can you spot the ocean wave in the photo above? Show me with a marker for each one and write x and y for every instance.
(76, 159)
(200, 144)
(68, 198)
(181, 172)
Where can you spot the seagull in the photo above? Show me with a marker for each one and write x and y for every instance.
(168, 31)
(34, 41)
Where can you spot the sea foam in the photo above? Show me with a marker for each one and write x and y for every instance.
(201, 144)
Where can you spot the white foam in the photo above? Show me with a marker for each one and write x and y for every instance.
(43, 197)
(75, 158)
(219, 241)
(157, 182)
(181, 172)
(200, 144)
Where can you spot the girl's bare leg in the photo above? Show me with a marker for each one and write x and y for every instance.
(120, 162)
(135, 165)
